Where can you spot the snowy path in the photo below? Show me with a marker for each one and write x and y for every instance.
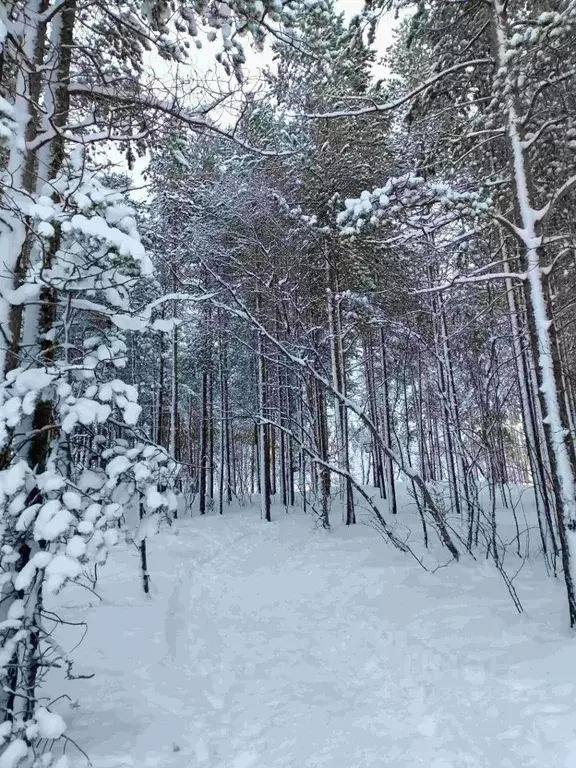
(268, 646)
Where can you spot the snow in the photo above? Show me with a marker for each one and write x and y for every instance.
(26, 517)
(130, 392)
(164, 325)
(52, 521)
(28, 291)
(25, 577)
(141, 471)
(7, 652)
(111, 537)
(3, 33)
(10, 411)
(154, 500)
(127, 245)
(118, 465)
(33, 379)
(85, 526)
(147, 529)
(16, 610)
(90, 480)
(17, 504)
(76, 547)
(128, 323)
(14, 753)
(50, 724)
(29, 402)
(59, 569)
(85, 411)
(131, 412)
(72, 500)
(50, 481)
(92, 512)
(12, 479)
(5, 730)
(281, 645)
(113, 511)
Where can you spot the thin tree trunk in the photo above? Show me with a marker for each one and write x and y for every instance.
(529, 233)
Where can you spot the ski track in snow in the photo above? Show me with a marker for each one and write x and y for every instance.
(275, 646)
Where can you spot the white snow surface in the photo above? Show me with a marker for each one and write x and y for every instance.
(50, 724)
(284, 646)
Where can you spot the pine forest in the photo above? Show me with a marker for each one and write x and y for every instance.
(287, 384)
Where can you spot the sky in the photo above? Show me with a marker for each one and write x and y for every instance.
(203, 60)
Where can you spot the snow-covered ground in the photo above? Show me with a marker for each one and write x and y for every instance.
(281, 646)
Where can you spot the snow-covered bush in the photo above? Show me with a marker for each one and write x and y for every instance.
(72, 466)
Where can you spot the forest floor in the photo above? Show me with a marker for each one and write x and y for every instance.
(284, 646)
